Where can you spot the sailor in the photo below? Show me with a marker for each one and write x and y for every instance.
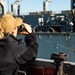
(13, 52)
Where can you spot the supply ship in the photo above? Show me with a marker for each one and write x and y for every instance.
(55, 34)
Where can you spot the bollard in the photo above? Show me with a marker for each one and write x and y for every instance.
(59, 58)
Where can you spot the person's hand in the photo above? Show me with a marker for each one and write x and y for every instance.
(28, 29)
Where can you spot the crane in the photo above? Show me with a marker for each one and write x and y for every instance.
(45, 4)
(14, 5)
(2, 7)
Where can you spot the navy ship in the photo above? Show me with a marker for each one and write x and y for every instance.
(54, 31)
(55, 34)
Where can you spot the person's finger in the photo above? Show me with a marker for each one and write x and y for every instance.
(23, 32)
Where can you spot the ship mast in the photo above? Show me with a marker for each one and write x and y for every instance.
(45, 4)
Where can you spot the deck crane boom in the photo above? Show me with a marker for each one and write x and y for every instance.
(14, 5)
(45, 4)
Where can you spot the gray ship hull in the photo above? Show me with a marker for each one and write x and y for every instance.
(55, 43)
